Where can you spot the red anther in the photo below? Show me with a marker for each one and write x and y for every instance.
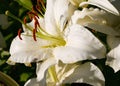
(33, 13)
(19, 33)
(25, 20)
(36, 23)
(34, 34)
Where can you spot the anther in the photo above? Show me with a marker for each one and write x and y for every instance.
(36, 23)
(33, 13)
(25, 20)
(34, 34)
(19, 33)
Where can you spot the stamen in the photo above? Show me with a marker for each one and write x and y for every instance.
(33, 13)
(36, 23)
(42, 3)
(40, 11)
(16, 18)
(13, 16)
(19, 33)
(34, 34)
(25, 20)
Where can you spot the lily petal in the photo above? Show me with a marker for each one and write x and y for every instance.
(113, 41)
(42, 68)
(81, 45)
(114, 55)
(63, 10)
(34, 82)
(113, 59)
(50, 24)
(85, 73)
(57, 14)
(98, 20)
(27, 50)
(104, 4)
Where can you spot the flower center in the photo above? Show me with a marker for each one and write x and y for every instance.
(37, 31)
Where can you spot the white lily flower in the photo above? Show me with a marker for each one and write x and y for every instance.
(104, 4)
(55, 40)
(73, 73)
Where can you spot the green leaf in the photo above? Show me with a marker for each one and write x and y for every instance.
(25, 3)
(24, 76)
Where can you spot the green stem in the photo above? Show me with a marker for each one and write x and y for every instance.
(13, 16)
(7, 80)
(16, 18)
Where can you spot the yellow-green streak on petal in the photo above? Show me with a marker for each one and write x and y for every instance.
(56, 41)
(53, 74)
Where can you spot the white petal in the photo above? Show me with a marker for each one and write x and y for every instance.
(34, 82)
(27, 50)
(86, 73)
(113, 58)
(98, 20)
(63, 10)
(50, 24)
(42, 68)
(113, 41)
(81, 44)
(104, 4)
(56, 15)
(32, 25)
